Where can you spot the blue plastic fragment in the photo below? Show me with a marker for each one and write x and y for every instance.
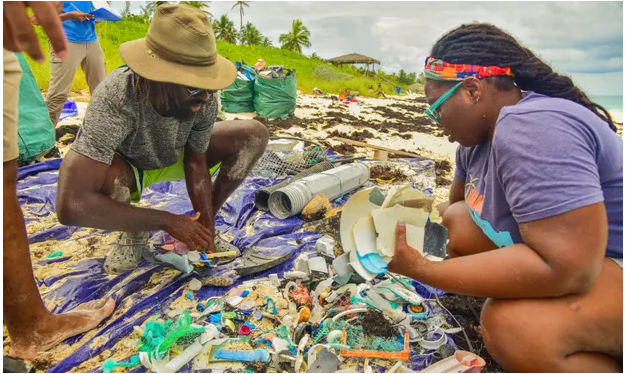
(245, 356)
(190, 296)
(258, 315)
(215, 318)
(200, 307)
(245, 293)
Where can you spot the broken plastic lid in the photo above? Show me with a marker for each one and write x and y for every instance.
(373, 263)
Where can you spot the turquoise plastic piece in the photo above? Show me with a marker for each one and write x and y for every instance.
(55, 254)
(371, 263)
(109, 365)
(245, 356)
(274, 310)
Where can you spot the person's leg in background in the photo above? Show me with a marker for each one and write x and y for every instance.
(32, 328)
(93, 65)
(62, 74)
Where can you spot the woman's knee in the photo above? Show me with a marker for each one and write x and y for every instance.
(504, 332)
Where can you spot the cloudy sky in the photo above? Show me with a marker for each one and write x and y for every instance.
(583, 40)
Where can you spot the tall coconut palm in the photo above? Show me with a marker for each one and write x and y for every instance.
(125, 13)
(298, 36)
(224, 29)
(241, 4)
(266, 42)
(150, 6)
(250, 35)
(201, 5)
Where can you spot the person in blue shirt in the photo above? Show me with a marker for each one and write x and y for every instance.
(84, 51)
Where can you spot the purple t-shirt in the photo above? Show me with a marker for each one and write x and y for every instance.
(548, 156)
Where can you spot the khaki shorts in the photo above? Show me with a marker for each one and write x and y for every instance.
(11, 80)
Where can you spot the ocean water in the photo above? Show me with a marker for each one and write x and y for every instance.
(614, 105)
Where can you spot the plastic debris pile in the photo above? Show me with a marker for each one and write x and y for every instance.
(309, 321)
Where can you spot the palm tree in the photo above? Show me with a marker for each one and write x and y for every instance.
(224, 29)
(298, 37)
(266, 42)
(150, 6)
(126, 11)
(250, 35)
(241, 4)
(201, 5)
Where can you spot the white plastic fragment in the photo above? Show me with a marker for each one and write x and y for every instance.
(234, 300)
(365, 236)
(296, 275)
(357, 206)
(318, 264)
(194, 285)
(194, 257)
(434, 344)
(325, 246)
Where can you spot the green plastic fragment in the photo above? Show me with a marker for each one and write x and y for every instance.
(159, 337)
(109, 365)
(55, 254)
(228, 315)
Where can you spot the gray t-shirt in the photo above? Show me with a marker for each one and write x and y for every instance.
(120, 119)
(548, 156)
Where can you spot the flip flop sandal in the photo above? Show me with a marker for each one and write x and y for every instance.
(127, 252)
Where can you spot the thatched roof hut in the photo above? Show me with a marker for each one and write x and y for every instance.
(354, 58)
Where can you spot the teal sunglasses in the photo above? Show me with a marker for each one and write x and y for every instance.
(431, 111)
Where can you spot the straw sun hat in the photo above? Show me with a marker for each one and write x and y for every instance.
(179, 48)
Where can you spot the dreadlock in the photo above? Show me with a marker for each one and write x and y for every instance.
(158, 93)
(485, 44)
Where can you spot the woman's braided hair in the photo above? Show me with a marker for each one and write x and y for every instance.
(485, 44)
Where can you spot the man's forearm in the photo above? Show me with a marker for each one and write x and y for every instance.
(92, 209)
(512, 272)
(200, 188)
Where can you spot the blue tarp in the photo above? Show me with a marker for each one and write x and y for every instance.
(86, 280)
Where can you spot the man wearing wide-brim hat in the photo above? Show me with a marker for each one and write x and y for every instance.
(153, 121)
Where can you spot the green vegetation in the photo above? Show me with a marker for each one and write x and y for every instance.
(224, 29)
(298, 36)
(311, 72)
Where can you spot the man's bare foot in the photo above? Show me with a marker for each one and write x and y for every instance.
(54, 329)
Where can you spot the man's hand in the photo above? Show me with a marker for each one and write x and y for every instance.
(190, 231)
(78, 16)
(406, 260)
(19, 35)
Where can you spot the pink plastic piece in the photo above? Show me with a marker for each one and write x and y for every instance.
(245, 330)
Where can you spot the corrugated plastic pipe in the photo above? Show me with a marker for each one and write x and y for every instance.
(291, 199)
(261, 198)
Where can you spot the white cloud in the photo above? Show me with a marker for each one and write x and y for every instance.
(581, 39)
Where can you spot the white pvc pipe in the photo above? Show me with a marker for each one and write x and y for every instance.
(291, 200)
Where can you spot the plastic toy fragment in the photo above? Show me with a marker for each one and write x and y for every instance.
(460, 362)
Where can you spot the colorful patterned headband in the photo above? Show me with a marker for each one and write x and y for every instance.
(443, 71)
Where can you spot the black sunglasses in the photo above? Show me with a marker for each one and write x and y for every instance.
(197, 91)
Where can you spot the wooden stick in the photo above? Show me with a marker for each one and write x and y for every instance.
(72, 4)
(371, 146)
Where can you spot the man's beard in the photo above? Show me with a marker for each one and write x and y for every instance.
(182, 112)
